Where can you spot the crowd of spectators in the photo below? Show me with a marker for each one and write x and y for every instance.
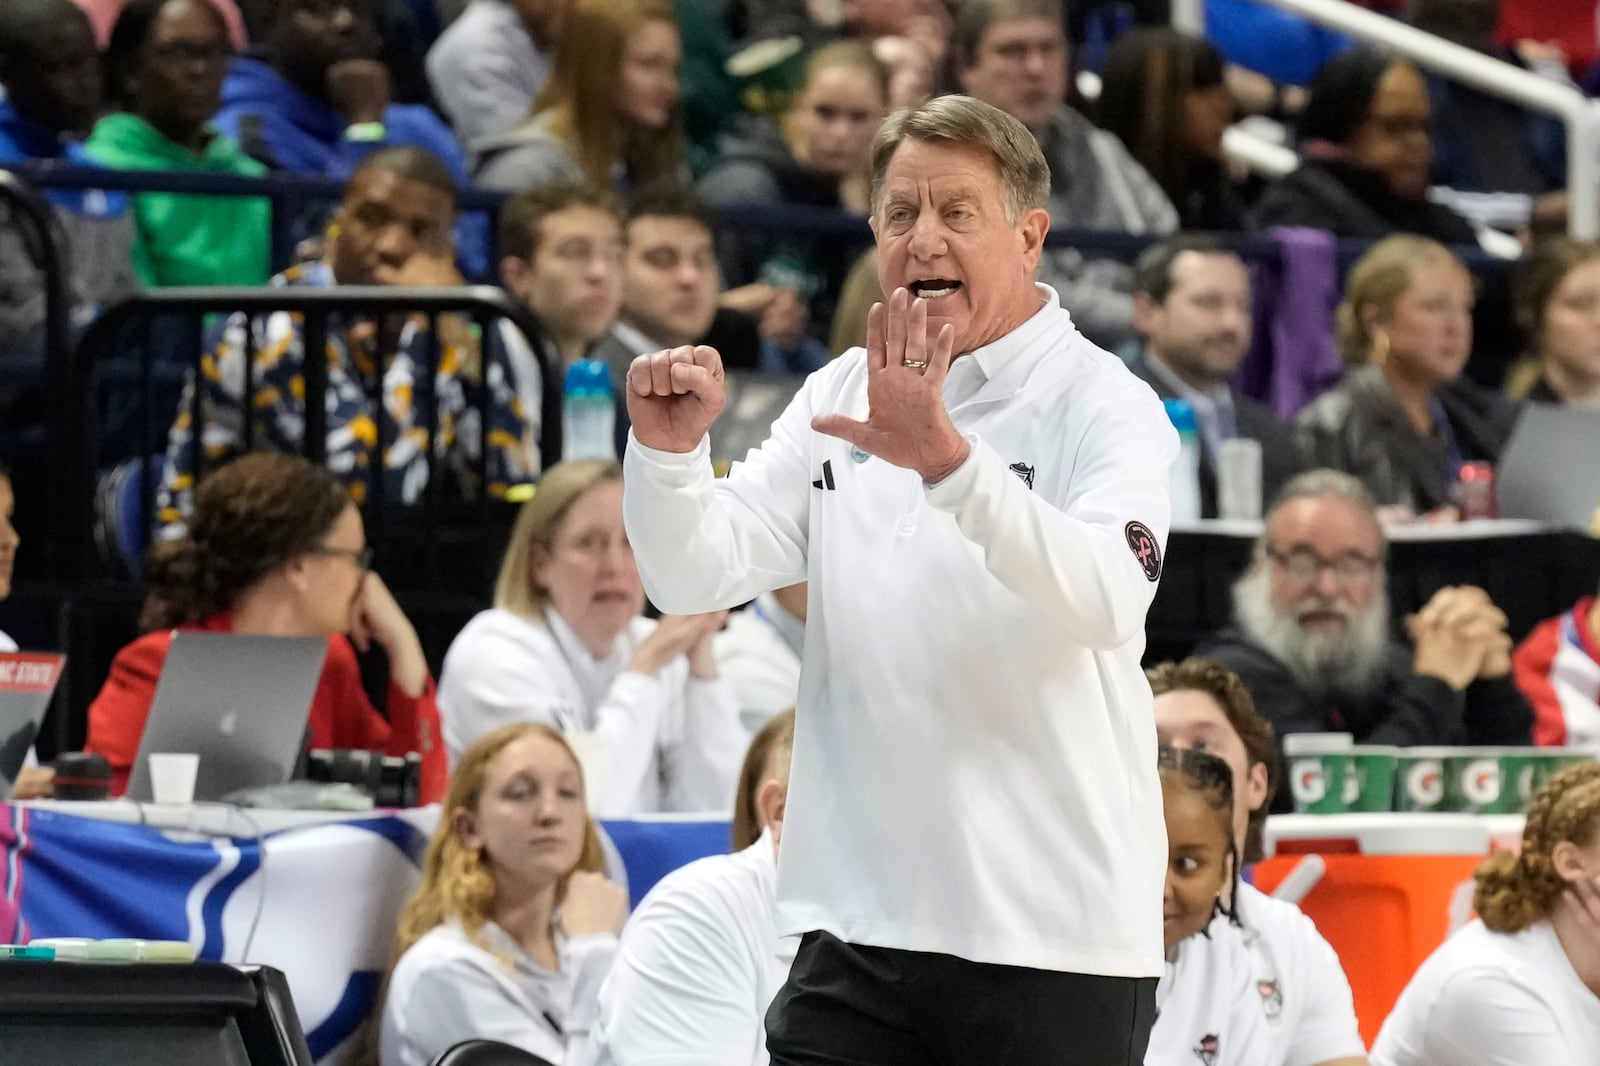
(619, 137)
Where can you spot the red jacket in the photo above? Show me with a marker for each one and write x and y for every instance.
(341, 714)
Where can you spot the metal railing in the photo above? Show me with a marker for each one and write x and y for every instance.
(78, 439)
(1485, 73)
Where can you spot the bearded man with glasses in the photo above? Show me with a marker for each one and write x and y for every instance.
(1311, 636)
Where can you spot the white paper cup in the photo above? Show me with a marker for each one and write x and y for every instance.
(1239, 479)
(172, 777)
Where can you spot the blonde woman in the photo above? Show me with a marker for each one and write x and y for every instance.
(1521, 984)
(565, 645)
(514, 926)
(607, 114)
(1403, 419)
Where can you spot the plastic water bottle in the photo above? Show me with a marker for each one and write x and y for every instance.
(588, 412)
(1186, 468)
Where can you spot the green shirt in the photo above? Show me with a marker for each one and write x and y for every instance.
(186, 239)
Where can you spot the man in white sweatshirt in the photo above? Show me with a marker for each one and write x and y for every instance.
(973, 848)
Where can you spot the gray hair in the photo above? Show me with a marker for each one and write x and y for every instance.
(964, 121)
(974, 17)
(1314, 484)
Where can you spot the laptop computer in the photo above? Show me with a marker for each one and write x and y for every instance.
(1548, 470)
(239, 702)
(27, 680)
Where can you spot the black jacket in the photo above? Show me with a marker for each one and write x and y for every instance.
(1351, 201)
(1358, 427)
(1403, 708)
(1280, 452)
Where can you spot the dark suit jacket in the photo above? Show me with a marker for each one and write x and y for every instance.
(1281, 458)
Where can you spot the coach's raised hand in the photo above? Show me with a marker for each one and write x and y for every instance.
(674, 396)
(906, 421)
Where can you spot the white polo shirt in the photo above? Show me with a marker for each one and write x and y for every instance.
(974, 762)
(1207, 1010)
(697, 967)
(1299, 983)
(1494, 999)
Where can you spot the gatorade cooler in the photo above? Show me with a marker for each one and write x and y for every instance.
(1395, 886)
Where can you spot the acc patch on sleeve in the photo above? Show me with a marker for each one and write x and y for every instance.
(1143, 544)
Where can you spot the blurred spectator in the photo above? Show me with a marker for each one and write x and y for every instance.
(700, 960)
(1312, 644)
(1403, 419)
(1192, 308)
(1557, 668)
(276, 547)
(1013, 54)
(166, 63)
(817, 156)
(1485, 143)
(566, 645)
(487, 68)
(1304, 994)
(1162, 93)
(51, 74)
(1557, 306)
(514, 925)
(562, 248)
(1521, 982)
(758, 652)
(669, 297)
(607, 113)
(393, 228)
(1282, 45)
(1367, 156)
(860, 291)
(103, 16)
(319, 102)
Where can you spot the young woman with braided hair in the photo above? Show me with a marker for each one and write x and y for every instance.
(1206, 1003)
(1521, 984)
(1301, 988)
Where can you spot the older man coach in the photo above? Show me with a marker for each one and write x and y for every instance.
(974, 846)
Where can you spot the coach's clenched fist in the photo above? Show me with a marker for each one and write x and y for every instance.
(674, 396)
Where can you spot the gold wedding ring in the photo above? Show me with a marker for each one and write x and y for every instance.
(915, 364)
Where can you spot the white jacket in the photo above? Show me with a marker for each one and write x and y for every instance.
(647, 742)
(446, 989)
(974, 764)
(698, 965)
(1207, 1009)
(758, 654)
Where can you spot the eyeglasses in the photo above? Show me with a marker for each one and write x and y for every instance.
(1305, 566)
(362, 557)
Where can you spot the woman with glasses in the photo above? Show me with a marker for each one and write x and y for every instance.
(565, 645)
(1403, 419)
(1207, 1004)
(275, 547)
(1368, 152)
(164, 67)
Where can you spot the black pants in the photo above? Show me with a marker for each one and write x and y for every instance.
(848, 1005)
